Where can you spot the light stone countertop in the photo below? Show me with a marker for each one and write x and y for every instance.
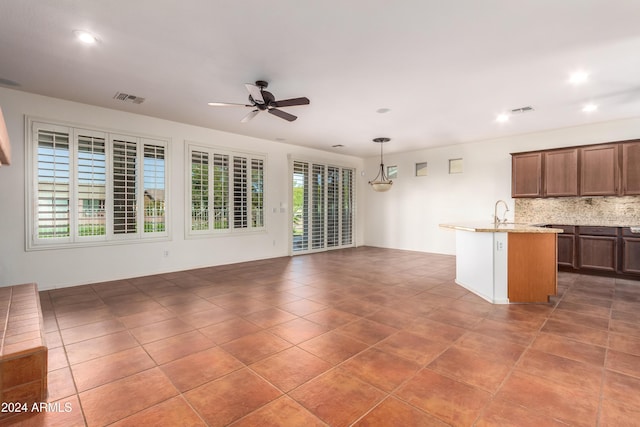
(489, 227)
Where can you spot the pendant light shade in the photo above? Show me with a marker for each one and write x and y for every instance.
(381, 182)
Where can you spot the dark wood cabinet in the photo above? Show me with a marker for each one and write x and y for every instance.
(526, 175)
(599, 174)
(566, 245)
(598, 253)
(561, 173)
(631, 255)
(631, 167)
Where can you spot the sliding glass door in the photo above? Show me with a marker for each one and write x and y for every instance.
(323, 214)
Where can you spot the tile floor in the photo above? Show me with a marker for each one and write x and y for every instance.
(360, 337)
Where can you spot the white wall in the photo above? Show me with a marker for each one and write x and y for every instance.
(68, 267)
(407, 216)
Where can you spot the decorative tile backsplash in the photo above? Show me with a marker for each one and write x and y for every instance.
(603, 211)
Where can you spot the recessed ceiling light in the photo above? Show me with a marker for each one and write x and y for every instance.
(383, 110)
(578, 77)
(589, 108)
(85, 36)
(503, 117)
(337, 146)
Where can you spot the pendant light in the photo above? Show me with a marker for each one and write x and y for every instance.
(381, 182)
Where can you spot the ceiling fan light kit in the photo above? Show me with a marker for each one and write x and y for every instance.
(381, 182)
(262, 100)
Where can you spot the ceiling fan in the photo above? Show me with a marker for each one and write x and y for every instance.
(262, 100)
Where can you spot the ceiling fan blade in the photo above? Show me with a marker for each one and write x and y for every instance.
(291, 102)
(227, 104)
(282, 114)
(249, 116)
(255, 93)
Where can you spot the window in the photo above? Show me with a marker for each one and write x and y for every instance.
(322, 207)
(226, 191)
(93, 187)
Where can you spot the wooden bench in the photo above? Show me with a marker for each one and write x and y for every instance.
(23, 350)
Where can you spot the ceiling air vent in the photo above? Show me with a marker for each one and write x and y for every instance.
(125, 97)
(521, 110)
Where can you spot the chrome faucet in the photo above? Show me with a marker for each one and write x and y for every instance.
(496, 219)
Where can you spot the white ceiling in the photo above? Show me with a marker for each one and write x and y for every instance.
(445, 69)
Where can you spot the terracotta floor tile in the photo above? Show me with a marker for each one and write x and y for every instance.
(583, 376)
(622, 388)
(117, 400)
(331, 318)
(290, 368)
(616, 414)
(172, 348)
(467, 366)
(60, 385)
(451, 401)
(625, 344)
(367, 331)
(281, 412)
(392, 318)
(625, 316)
(392, 412)
(333, 347)
(159, 330)
(146, 317)
(199, 368)
(270, 317)
(453, 317)
(438, 331)
(581, 319)
(496, 348)
(109, 368)
(628, 364)
(174, 412)
(576, 332)
(100, 346)
(222, 401)
(625, 328)
(134, 307)
(229, 330)
(75, 318)
(380, 369)
(412, 347)
(302, 307)
(298, 330)
(91, 330)
(337, 398)
(549, 398)
(57, 359)
(357, 307)
(252, 348)
(503, 413)
(572, 306)
(571, 349)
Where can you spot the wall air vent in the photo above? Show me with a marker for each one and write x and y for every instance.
(521, 110)
(125, 97)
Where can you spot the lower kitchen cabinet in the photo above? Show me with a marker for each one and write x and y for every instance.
(630, 252)
(611, 251)
(598, 253)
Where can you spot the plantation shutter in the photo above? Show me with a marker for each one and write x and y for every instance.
(347, 206)
(53, 184)
(154, 191)
(91, 179)
(199, 190)
(221, 191)
(124, 187)
(318, 206)
(333, 206)
(257, 193)
(240, 192)
(300, 206)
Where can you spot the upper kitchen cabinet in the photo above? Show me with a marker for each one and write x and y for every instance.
(599, 173)
(561, 172)
(526, 175)
(631, 167)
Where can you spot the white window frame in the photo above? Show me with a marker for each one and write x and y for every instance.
(33, 240)
(231, 230)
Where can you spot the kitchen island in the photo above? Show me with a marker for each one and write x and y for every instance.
(506, 263)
